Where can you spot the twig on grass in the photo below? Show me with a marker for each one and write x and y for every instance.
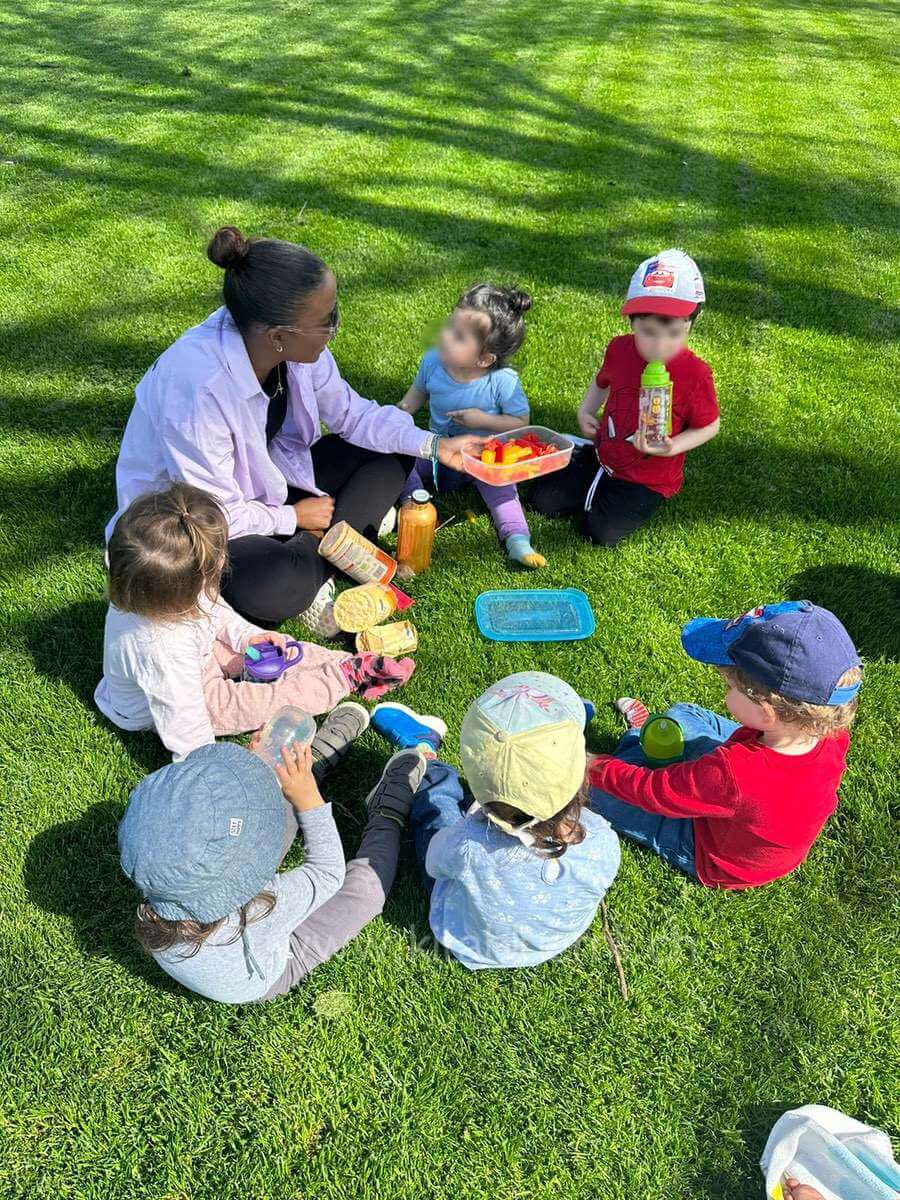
(614, 950)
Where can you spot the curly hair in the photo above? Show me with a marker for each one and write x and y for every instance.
(817, 720)
(155, 934)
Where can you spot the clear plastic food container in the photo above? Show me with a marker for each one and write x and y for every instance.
(529, 468)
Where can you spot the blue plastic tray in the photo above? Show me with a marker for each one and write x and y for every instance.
(535, 615)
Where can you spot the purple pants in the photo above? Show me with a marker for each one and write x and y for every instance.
(502, 502)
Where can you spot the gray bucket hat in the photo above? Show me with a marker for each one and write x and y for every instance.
(201, 837)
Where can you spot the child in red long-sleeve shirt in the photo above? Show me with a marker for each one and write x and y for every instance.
(754, 793)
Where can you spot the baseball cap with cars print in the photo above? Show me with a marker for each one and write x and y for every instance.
(669, 284)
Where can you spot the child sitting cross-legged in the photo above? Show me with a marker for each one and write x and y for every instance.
(515, 864)
(756, 791)
(173, 650)
(617, 484)
(203, 840)
(470, 388)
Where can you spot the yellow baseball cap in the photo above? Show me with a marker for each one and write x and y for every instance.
(522, 744)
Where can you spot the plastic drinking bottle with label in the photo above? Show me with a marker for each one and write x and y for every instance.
(289, 726)
(415, 537)
(655, 402)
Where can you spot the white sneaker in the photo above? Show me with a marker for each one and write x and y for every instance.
(389, 524)
(319, 617)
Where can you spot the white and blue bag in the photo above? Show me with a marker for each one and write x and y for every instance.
(824, 1148)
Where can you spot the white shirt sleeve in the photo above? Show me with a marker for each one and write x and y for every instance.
(198, 448)
(231, 629)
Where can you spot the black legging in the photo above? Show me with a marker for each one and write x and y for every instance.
(618, 508)
(271, 579)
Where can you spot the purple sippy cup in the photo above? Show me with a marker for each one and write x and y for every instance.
(265, 662)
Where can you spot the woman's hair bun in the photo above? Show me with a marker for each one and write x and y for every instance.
(228, 248)
(519, 302)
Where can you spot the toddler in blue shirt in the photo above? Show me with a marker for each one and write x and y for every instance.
(516, 877)
(469, 388)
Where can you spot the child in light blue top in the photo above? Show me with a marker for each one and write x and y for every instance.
(469, 389)
(495, 393)
(516, 877)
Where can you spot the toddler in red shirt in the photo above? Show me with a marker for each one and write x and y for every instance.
(753, 794)
(620, 482)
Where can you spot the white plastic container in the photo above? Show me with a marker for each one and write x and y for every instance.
(530, 468)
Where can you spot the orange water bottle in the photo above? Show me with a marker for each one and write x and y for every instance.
(415, 536)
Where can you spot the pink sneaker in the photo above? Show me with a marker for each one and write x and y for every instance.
(374, 675)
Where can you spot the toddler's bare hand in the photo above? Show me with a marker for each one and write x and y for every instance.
(587, 423)
(663, 449)
(297, 780)
(799, 1191)
(470, 418)
(272, 636)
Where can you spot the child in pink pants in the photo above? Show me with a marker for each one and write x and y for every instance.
(173, 651)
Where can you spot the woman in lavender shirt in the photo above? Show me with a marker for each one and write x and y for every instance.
(236, 406)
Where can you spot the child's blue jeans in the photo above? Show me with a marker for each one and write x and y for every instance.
(672, 838)
(440, 801)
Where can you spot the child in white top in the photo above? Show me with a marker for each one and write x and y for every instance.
(173, 651)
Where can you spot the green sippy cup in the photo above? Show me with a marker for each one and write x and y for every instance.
(662, 740)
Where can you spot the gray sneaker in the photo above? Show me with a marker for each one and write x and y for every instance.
(335, 735)
(393, 794)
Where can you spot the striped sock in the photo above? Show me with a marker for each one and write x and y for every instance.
(633, 711)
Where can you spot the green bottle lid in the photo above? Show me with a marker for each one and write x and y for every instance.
(655, 375)
(661, 740)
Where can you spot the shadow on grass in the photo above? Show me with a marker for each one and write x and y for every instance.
(438, 52)
(742, 1179)
(867, 601)
(73, 869)
(67, 647)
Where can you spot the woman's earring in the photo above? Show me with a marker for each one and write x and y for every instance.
(279, 349)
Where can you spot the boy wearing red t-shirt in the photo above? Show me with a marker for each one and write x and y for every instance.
(622, 480)
(753, 796)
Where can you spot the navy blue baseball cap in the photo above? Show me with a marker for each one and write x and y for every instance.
(793, 648)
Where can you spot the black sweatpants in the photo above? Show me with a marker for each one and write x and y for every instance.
(273, 578)
(618, 508)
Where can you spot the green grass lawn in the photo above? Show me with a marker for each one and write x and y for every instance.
(420, 146)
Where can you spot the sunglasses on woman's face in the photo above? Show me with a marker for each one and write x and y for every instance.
(330, 326)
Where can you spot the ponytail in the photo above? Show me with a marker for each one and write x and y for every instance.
(167, 550)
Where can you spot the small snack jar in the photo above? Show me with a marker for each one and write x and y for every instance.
(356, 556)
(359, 608)
(289, 726)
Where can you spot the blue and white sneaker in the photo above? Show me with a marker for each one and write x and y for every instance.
(404, 728)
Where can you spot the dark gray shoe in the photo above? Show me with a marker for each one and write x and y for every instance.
(336, 735)
(393, 794)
